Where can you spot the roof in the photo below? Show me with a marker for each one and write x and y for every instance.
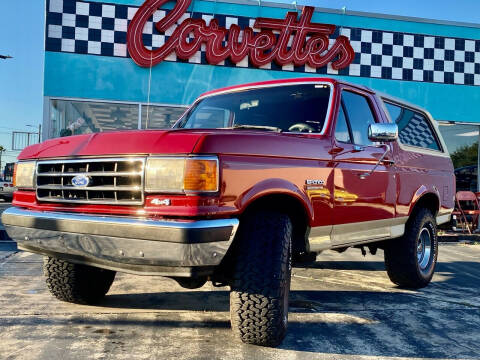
(280, 82)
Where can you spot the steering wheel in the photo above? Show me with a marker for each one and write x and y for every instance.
(301, 127)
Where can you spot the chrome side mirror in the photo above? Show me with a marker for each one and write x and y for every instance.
(379, 132)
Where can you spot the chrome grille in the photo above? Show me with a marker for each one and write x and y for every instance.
(110, 181)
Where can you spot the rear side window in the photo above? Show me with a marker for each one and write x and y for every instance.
(359, 115)
(413, 127)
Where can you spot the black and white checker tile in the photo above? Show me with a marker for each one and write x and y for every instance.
(101, 29)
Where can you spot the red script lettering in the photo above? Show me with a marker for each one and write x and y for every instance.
(309, 43)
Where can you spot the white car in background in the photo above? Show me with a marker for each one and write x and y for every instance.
(6, 190)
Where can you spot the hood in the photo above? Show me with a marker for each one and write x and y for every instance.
(264, 144)
(181, 141)
(136, 142)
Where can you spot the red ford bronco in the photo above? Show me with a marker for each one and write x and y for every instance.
(249, 178)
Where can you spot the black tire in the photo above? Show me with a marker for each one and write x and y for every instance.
(261, 279)
(75, 283)
(405, 265)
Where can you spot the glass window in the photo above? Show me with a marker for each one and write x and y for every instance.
(462, 144)
(294, 108)
(341, 130)
(8, 173)
(413, 127)
(209, 117)
(359, 115)
(82, 117)
(160, 117)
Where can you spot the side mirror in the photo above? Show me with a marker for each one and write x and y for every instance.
(383, 132)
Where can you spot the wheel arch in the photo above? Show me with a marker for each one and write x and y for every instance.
(290, 205)
(426, 200)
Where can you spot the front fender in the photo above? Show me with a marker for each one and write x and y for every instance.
(275, 186)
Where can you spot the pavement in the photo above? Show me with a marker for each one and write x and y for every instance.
(343, 307)
(5, 242)
(4, 204)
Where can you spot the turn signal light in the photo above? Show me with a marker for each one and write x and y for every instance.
(201, 175)
(14, 180)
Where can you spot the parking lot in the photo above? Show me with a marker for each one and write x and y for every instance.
(343, 308)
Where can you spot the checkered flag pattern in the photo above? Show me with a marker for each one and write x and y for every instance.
(101, 29)
(417, 132)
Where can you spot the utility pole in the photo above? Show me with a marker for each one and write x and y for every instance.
(2, 150)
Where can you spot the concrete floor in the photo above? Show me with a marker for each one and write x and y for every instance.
(343, 308)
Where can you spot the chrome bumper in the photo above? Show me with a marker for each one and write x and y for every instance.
(134, 245)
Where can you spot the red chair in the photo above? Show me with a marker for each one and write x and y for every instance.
(477, 194)
(467, 206)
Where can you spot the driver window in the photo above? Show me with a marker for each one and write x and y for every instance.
(359, 115)
(342, 133)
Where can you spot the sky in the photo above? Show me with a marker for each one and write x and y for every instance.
(22, 34)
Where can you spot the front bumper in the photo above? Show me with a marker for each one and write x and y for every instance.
(134, 245)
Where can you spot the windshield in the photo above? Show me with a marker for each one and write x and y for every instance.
(293, 108)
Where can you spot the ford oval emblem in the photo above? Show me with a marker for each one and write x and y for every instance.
(81, 181)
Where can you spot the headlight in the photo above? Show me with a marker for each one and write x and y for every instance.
(24, 176)
(185, 174)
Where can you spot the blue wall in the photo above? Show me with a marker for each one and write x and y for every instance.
(114, 78)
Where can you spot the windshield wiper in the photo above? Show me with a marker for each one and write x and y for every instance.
(256, 127)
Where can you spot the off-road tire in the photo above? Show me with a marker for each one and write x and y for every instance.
(401, 260)
(75, 283)
(261, 279)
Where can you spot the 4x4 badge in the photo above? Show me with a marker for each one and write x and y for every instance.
(165, 202)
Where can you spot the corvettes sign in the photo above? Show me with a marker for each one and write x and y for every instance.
(309, 41)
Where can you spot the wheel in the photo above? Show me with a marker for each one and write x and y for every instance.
(261, 279)
(411, 259)
(75, 283)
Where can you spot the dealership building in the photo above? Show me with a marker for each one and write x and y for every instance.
(101, 75)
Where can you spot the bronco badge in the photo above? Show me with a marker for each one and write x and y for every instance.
(315, 182)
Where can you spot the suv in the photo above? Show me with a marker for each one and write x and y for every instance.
(249, 178)
(467, 178)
